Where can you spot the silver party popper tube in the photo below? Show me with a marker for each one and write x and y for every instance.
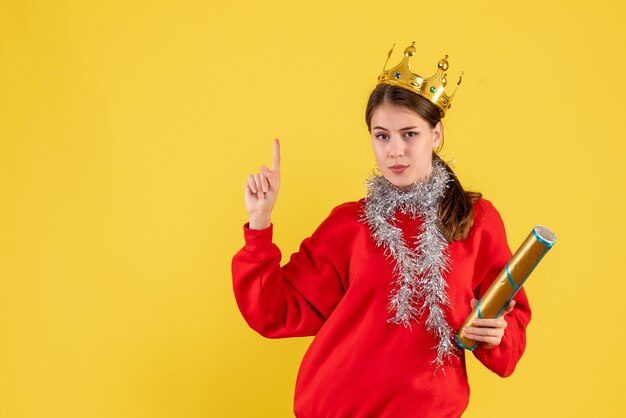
(509, 281)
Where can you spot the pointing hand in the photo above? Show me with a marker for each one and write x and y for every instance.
(261, 192)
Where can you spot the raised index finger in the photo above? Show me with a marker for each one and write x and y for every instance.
(276, 156)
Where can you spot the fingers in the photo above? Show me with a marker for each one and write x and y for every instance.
(268, 174)
(276, 156)
(258, 182)
(472, 332)
(487, 337)
(265, 184)
(261, 183)
(250, 185)
(490, 323)
(488, 331)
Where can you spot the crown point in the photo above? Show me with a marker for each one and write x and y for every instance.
(443, 63)
(444, 80)
(410, 50)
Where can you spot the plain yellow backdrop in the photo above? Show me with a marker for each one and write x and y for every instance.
(127, 129)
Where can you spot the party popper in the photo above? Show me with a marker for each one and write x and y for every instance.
(509, 281)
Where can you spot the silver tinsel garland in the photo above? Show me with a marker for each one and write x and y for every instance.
(419, 283)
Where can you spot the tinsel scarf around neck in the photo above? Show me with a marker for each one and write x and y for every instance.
(419, 283)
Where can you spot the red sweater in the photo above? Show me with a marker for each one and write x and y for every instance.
(337, 286)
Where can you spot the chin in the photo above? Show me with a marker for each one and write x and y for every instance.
(404, 186)
(399, 183)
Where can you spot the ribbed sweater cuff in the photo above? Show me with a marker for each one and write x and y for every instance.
(257, 238)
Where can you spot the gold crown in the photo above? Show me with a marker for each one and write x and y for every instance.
(432, 88)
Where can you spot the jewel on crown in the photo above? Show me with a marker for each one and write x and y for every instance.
(431, 88)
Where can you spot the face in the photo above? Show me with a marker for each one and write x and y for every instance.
(403, 143)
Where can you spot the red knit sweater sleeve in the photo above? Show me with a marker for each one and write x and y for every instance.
(495, 254)
(295, 299)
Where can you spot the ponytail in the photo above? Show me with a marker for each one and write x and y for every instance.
(456, 210)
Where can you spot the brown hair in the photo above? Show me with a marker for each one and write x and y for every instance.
(456, 209)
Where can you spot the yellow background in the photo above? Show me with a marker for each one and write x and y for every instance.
(127, 129)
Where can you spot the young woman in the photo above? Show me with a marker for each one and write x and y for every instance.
(384, 283)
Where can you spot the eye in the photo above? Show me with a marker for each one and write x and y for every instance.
(381, 136)
(410, 134)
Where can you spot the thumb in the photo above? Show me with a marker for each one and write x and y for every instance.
(508, 308)
(473, 303)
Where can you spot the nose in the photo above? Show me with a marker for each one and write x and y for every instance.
(396, 147)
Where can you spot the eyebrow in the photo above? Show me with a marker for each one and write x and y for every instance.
(403, 129)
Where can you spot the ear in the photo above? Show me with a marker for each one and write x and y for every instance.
(437, 134)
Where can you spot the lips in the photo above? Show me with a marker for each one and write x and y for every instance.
(398, 169)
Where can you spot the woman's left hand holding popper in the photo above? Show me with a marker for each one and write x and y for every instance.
(488, 332)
